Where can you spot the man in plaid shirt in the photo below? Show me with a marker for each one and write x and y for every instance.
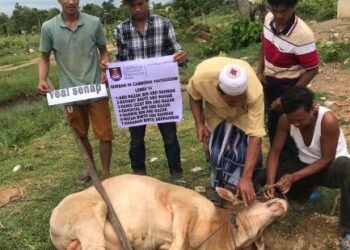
(145, 35)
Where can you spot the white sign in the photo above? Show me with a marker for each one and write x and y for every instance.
(78, 93)
(145, 91)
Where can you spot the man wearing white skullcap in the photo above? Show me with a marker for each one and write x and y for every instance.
(227, 104)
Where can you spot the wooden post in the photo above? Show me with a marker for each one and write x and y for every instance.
(116, 225)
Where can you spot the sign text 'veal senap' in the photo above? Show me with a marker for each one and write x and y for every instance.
(78, 93)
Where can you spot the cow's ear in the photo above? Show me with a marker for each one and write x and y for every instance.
(227, 195)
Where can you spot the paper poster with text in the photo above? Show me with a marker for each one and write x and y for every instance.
(145, 91)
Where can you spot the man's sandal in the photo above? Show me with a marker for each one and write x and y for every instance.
(345, 242)
(83, 178)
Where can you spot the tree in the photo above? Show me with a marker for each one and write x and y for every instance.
(52, 12)
(184, 12)
(4, 19)
(23, 18)
(108, 12)
(93, 9)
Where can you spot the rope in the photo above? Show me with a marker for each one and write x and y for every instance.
(212, 234)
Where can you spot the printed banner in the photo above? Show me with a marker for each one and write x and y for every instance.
(79, 93)
(145, 91)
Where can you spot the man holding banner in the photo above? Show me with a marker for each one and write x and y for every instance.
(227, 104)
(142, 36)
(76, 38)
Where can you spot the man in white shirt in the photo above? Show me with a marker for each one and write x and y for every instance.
(323, 158)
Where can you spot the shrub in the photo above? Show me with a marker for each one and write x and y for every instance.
(245, 33)
(240, 33)
(333, 52)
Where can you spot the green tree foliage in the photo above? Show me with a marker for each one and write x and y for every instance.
(183, 12)
(92, 9)
(23, 18)
(4, 19)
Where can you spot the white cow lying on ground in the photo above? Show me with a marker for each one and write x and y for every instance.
(158, 215)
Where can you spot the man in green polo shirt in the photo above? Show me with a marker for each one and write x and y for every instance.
(75, 39)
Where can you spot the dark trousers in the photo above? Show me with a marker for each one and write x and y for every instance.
(336, 175)
(273, 89)
(137, 152)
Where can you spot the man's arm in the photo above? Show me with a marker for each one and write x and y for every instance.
(307, 76)
(43, 67)
(261, 66)
(179, 55)
(282, 132)
(245, 187)
(304, 80)
(104, 59)
(197, 112)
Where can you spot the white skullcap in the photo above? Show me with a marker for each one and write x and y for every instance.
(233, 80)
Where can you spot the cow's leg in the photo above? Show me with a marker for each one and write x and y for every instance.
(89, 229)
(74, 245)
(181, 221)
(260, 243)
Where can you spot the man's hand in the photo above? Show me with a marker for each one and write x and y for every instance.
(43, 87)
(103, 65)
(203, 134)
(285, 183)
(269, 193)
(276, 104)
(245, 189)
(180, 57)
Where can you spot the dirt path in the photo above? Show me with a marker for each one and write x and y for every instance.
(10, 67)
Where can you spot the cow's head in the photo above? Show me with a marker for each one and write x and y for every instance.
(249, 222)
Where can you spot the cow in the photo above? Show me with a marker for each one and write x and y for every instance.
(158, 215)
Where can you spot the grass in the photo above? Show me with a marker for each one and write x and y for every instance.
(37, 138)
(17, 58)
(20, 84)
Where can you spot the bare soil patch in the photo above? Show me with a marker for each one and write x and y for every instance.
(9, 194)
(312, 231)
(336, 30)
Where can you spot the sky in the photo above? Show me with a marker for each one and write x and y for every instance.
(7, 6)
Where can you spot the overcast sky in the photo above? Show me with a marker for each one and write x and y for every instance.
(7, 6)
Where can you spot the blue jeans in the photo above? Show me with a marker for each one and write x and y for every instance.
(137, 152)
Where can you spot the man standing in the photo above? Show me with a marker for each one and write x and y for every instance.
(227, 104)
(323, 158)
(288, 57)
(75, 37)
(145, 35)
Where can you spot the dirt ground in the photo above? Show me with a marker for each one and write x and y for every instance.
(311, 232)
